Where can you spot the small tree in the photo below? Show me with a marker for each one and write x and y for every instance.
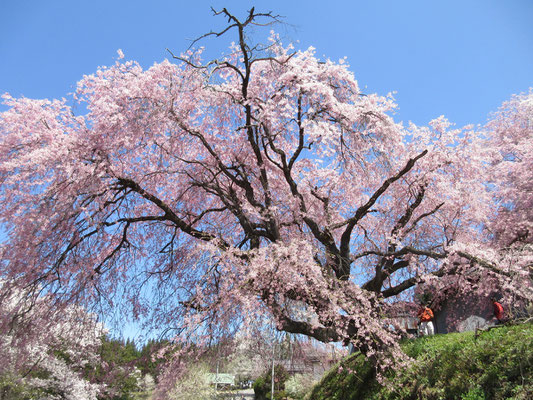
(195, 384)
(298, 385)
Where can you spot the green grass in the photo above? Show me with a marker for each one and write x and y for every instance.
(498, 364)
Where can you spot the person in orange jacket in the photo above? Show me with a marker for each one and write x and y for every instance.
(498, 311)
(425, 326)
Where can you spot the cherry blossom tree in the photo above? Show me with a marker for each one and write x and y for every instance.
(511, 174)
(49, 359)
(506, 240)
(511, 130)
(261, 185)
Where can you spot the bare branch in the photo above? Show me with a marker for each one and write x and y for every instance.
(235, 22)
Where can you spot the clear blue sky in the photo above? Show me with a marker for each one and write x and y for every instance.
(460, 58)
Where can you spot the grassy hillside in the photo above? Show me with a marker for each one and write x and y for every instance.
(498, 364)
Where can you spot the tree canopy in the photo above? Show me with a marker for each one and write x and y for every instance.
(262, 184)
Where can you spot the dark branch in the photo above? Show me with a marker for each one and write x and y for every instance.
(169, 214)
(365, 208)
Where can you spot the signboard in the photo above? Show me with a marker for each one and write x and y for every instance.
(224, 379)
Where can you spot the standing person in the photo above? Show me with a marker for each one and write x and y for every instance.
(498, 311)
(426, 327)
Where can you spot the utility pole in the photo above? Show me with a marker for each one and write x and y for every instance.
(216, 379)
(216, 376)
(273, 356)
(273, 362)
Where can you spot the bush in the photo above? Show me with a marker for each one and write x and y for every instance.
(263, 384)
(260, 389)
